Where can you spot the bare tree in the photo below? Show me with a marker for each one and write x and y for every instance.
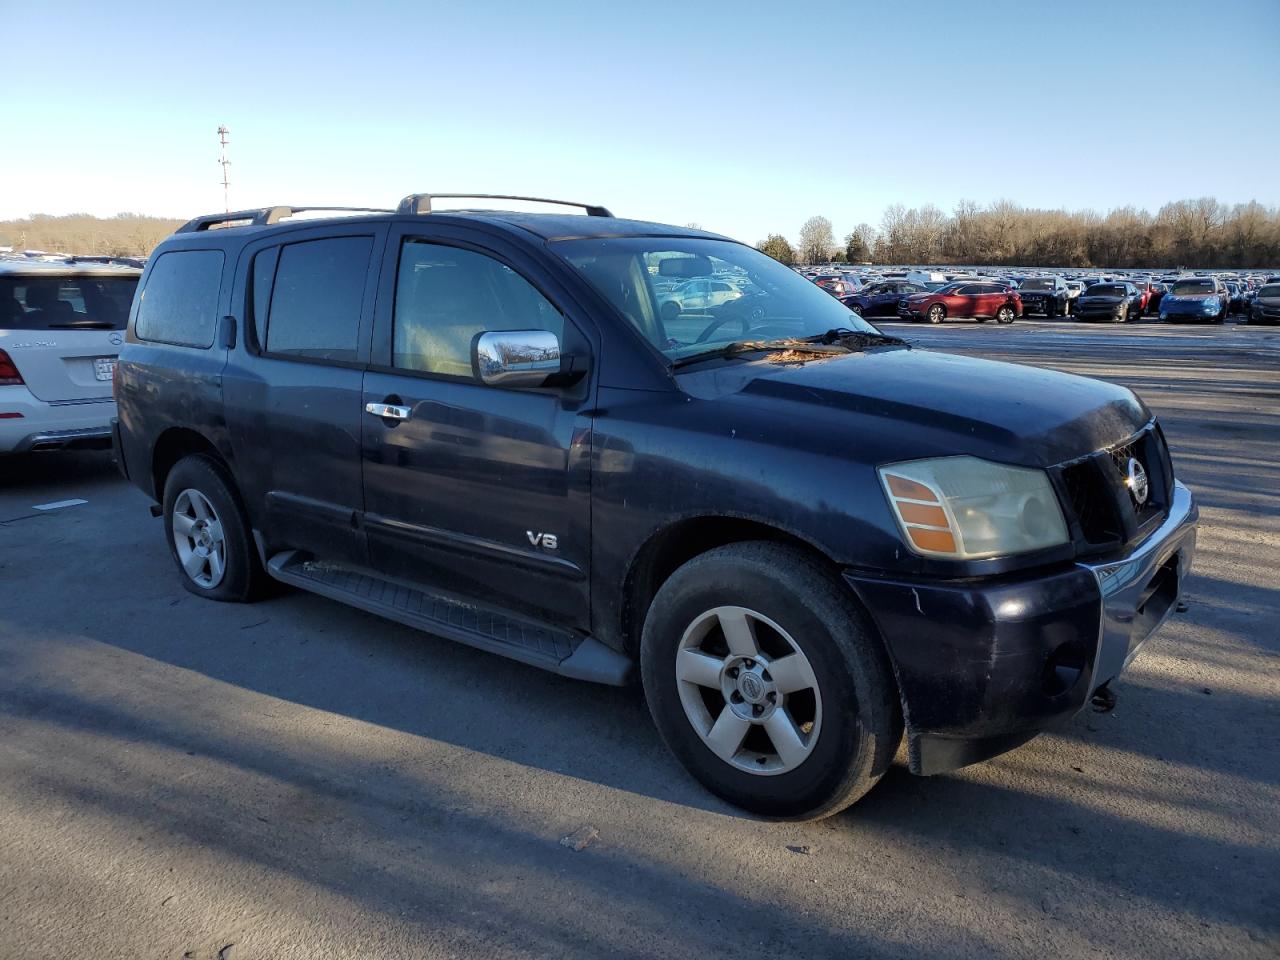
(816, 240)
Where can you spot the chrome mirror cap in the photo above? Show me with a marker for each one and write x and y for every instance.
(515, 358)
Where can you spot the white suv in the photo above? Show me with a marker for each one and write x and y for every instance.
(61, 325)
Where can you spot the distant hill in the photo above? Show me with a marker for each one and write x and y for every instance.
(124, 235)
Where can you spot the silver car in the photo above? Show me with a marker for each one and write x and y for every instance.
(61, 326)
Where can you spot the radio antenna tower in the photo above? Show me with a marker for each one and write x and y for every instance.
(223, 133)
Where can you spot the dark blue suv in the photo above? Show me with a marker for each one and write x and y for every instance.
(810, 538)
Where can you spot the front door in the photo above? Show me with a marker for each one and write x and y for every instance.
(481, 491)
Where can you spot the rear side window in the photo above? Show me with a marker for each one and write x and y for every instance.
(65, 303)
(179, 304)
(317, 298)
(264, 274)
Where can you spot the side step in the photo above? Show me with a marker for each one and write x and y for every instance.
(560, 651)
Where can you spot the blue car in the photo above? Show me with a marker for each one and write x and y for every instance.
(1198, 299)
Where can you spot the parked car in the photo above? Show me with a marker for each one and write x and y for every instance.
(478, 424)
(697, 296)
(1144, 294)
(840, 287)
(1047, 295)
(963, 300)
(1117, 302)
(881, 299)
(1074, 289)
(1238, 296)
(61, 326)
(1158, 289)
(1196, 298)
(1266, 305)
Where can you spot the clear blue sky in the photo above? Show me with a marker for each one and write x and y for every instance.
(744, 117)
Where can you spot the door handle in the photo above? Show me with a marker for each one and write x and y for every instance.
(390, 411)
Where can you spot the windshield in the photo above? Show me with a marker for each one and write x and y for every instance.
(65, 303)
(1192, 288)
(1269, 291)
(1036, 284)
(1106, 290)
(733, 292)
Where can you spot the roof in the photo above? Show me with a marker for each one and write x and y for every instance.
(28, 267)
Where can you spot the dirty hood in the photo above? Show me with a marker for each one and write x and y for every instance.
(897, 403)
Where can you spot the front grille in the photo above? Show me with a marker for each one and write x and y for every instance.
(1104, 513)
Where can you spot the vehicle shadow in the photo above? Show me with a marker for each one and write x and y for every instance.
(52, 471)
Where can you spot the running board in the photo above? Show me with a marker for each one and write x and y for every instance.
(560, 651)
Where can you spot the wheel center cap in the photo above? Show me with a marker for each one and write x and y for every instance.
(751, 687)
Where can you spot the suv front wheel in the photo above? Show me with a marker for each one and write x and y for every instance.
(208, 532)
(767, 683)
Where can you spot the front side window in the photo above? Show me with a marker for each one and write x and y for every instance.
(446, 296)
(766, 301)
(179, 304)
(317, 298)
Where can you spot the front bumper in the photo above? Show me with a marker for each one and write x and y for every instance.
(983, 667)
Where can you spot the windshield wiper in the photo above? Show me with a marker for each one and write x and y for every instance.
(726, 350)
(83, 325)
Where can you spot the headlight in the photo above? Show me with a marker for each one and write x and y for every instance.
(964, 508)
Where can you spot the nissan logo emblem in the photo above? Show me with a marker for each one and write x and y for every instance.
(1137, 481)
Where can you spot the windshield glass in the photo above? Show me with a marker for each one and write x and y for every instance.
(728, 292)
(1036, 284)
(65, 303)
(1192, 288)
(1106, 290)
(1269, 291)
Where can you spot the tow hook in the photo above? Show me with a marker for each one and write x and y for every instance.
(1103, 699)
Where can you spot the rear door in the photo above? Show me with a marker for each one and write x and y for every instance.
(990, 298)
(292, 395)
(64, 331)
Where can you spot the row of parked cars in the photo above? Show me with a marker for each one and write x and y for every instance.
(936, 297)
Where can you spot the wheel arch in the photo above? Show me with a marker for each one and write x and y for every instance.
(171, 446)
(675, 544)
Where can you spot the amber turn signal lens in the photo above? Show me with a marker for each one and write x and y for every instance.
(923, 513)
(909, 489)
(935, 541)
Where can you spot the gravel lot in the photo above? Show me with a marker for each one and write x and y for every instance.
(298, 779)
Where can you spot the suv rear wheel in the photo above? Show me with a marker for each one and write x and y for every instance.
(1005, 314)
(208, 532)
(767, 683)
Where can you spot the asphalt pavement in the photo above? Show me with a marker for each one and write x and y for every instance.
(294, 778)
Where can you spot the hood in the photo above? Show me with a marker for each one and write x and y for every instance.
(895, 403)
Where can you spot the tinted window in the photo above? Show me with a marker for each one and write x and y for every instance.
(1270, 290)
(446, 295)
(317, 296)
(179, 304)
(1193, 288)
(65, 303)
(1036, 284)
(968, 289)
(264, 274)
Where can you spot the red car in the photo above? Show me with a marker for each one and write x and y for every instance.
(1146, 289)
(964, 299)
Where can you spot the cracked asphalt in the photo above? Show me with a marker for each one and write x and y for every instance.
(297, 779)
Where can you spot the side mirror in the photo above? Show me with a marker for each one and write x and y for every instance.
(516, 358)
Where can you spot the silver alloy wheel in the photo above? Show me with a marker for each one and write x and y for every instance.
(721, 660)
(936, 313)
(1005, 314)
(198, 537)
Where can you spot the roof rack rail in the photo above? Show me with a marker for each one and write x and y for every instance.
(264, 216)
(421, 202)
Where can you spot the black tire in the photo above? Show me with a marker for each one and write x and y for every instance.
(936, 313)
(1050, 310)
(861, 723)
(243, 579)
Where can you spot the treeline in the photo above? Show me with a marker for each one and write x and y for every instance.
(1186, 233)
(124, 235)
